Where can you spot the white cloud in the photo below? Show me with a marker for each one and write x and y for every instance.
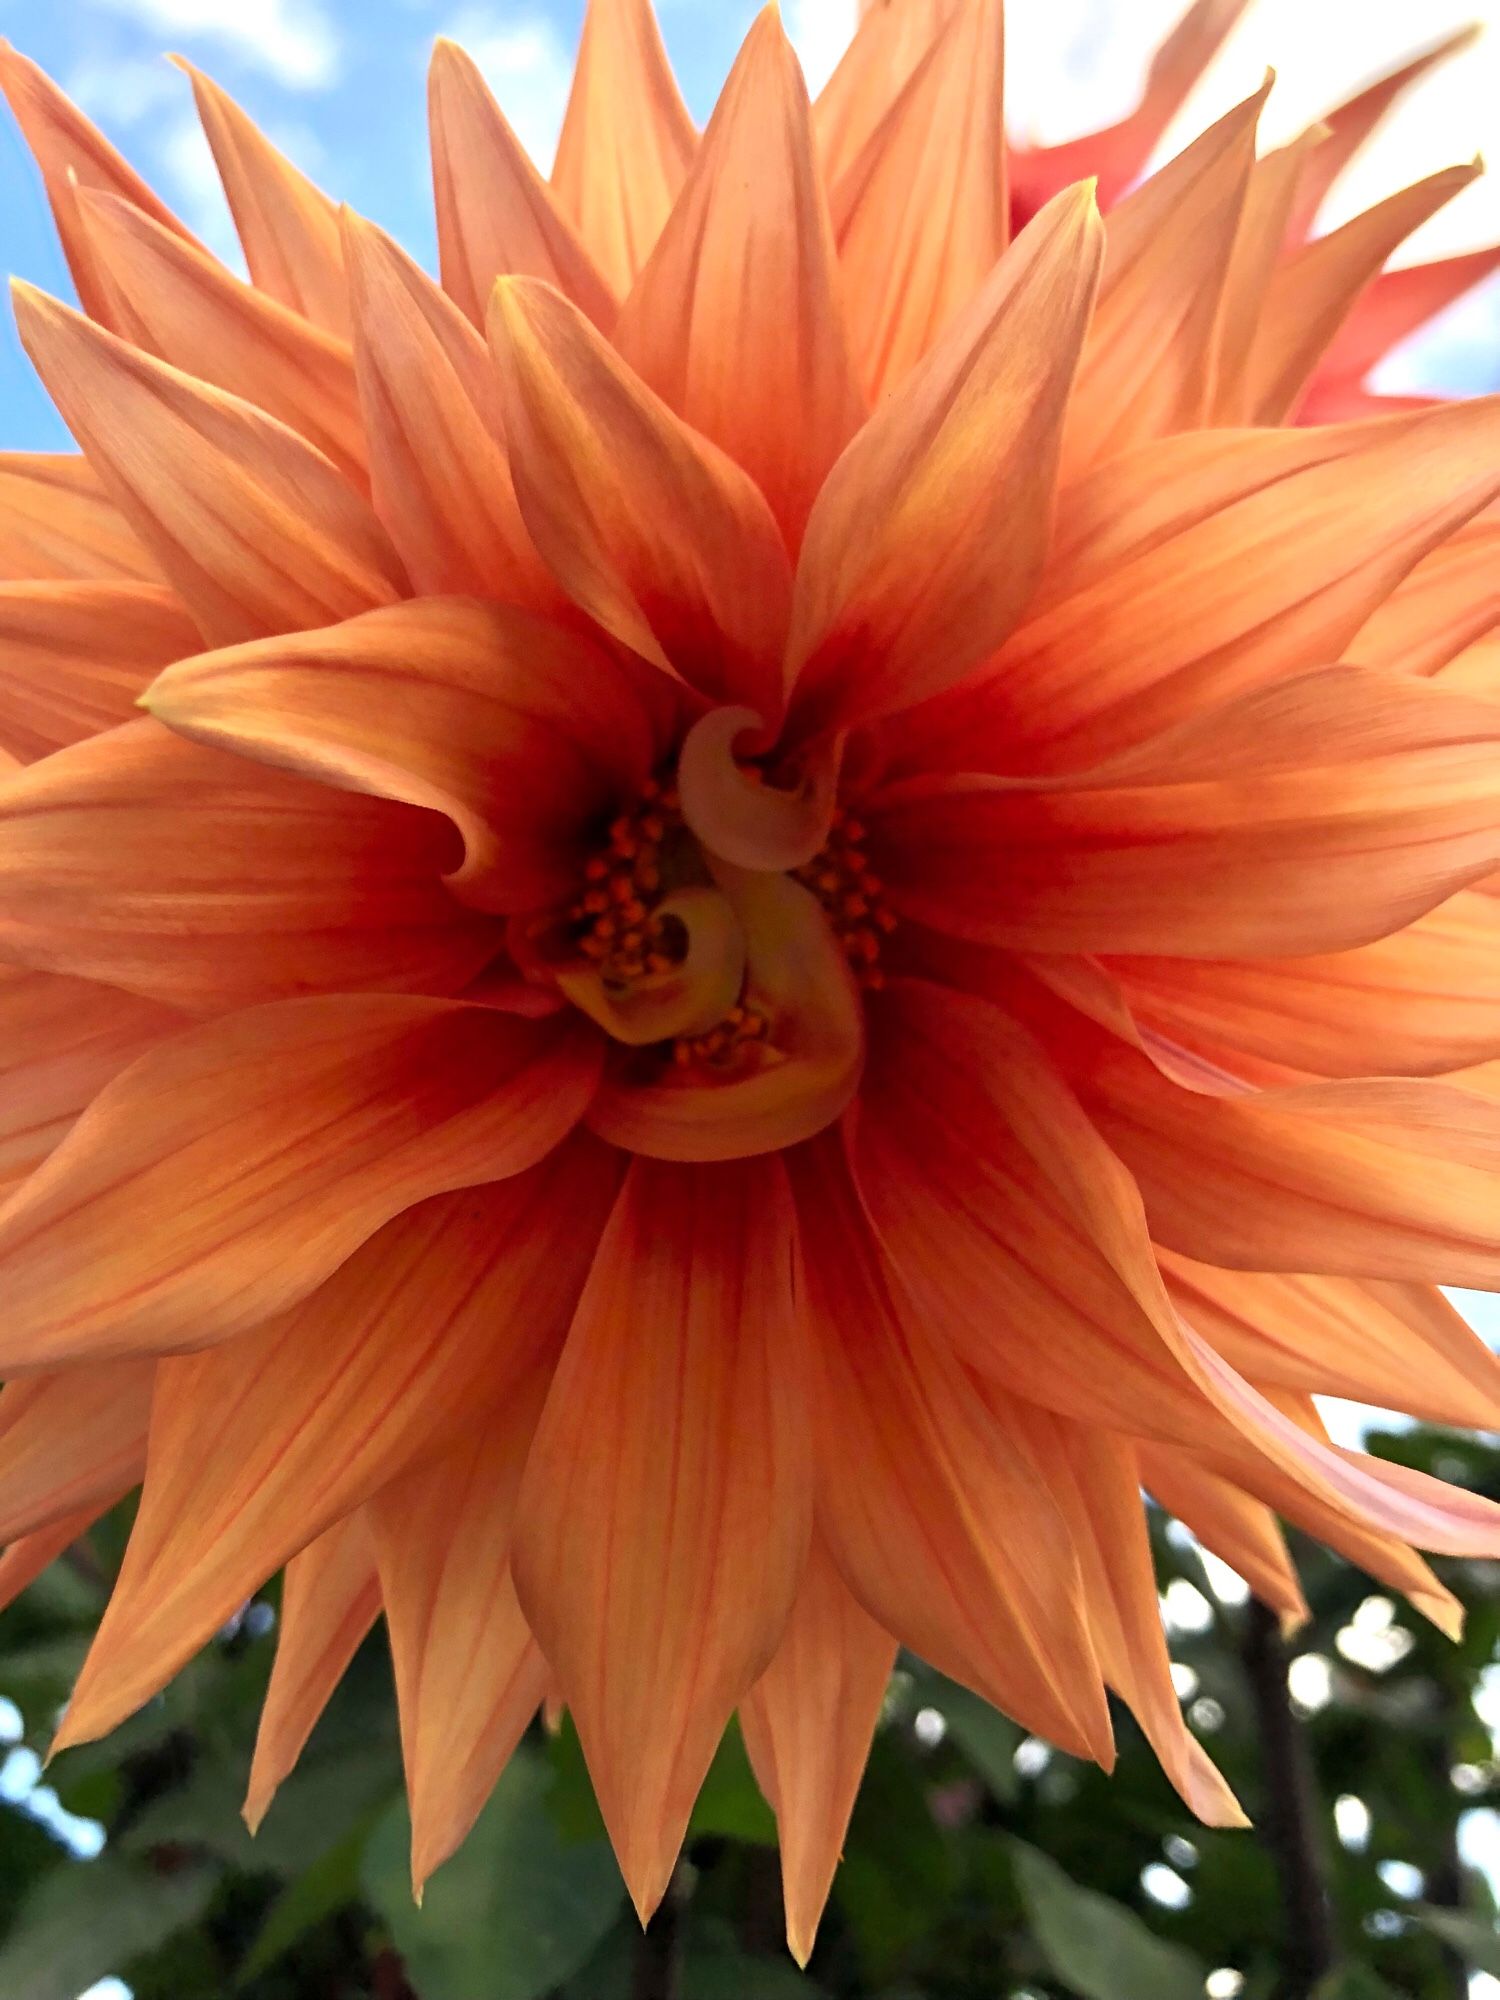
(291, 40)
(527, 65)
(123, 92)
(194, 189)
(820, 31)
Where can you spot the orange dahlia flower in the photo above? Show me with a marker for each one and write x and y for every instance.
(796, 906)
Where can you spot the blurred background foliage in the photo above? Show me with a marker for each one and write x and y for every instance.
(980, 1865)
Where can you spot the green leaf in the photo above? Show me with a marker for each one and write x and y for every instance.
(731, 1803)
(1353, 1982)
(986, 1737)
(330, 1883)
(1476, 1939)
(515, 1912)
(89, 1919)
(1097, 1947)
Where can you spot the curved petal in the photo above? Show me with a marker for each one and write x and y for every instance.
(626, 139)
(1450, 600)
(289, 229)
(808, 1722)
(256, 530)
(649, 527)
(1271, 190)
(526, 736)
(262, 1444)
(677, 1418)
(56, 522)
(1399, 1346)
(206, 881)
(177, 303)
(740, 817)
(226, 1175)
(69, 1441)
(1312, 815)
(1397, 304)
(737, 320)
(496, 216)
(799, 979)
(932, 1501)
(922, 211)
(928, 538)
(891, 40)
(74, 154)
(1239, 1530)
(330, 1597)
(469, 1675)
(24, 1561)
(74, 658)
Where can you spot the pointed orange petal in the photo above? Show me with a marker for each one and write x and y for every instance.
(175, 302)
(934, 1508)
(24, 1561)
(1448, 601)
(74, 154)
(892, 38)
(1424, 1000)
(496, 216)
(56, 522)
(1313, 293)
(1237, 1529)
(74, 657)
(626, 141)
(70, 1441)
(330, 1597)
(1399, 1346)
(288, 227)
(260, 1445)
(206, 881)
(469, 1677)
(691, 1445)
(1259, 245)
(737, 320)
(921, 213)
(808, 1722)
(1250, 831)
(1096, 1477)
(926, 542)
(227, 1174)
(256, 530)
(1397, 304)
(649, 527)
(1148, 364)
(526, 736)
(431, 406)
(1475, 671)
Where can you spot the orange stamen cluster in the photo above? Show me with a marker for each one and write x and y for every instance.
(744, 1031)
(619, 929)
(853, 897)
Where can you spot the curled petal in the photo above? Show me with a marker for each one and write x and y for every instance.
(747, 821)
(798, 976)
(690, 999)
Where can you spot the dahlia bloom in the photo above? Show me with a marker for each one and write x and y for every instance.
(797, 904)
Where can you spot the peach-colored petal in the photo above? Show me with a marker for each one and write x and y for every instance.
(74, 154)
(648, 526)
(70, 1441)
(1424, 1000)
(808, 1722)
(496, 216)
(1395, 305)
(1475, 671)
(1096, 1477)
(56, 522)
(288, 227)
(257, 531)
(227, 1174)
(1313, 293)
(737, 319)
(1451, 599)
(1312, 815)
(526, 736)
(921, 212)
(469, 1677)
(891, 40)
(260, 1445)
(927, 540)
(330, 1597)
(799, 978)
(936, 1511)
(74, 657)
(61, 1041)
(666, 1507)
(1399, 1346)
(1259, 244)
(1241, 1531)
(1148, 364)
(431, 407)
(207, 881)
(177, 303)
(627, 139)
(24, 1561)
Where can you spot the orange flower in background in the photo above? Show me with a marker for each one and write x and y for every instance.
(797, 906)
